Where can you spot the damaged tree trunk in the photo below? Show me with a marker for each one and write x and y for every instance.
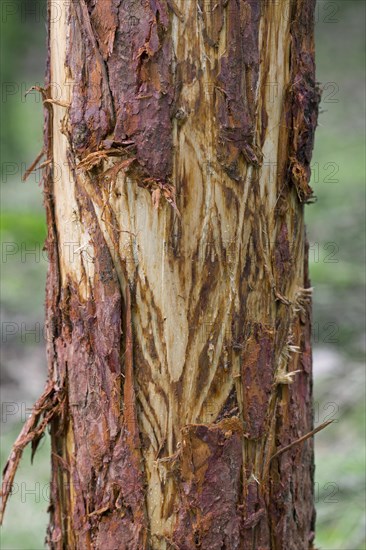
(179, 136)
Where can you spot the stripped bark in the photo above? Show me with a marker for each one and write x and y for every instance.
(178, 296)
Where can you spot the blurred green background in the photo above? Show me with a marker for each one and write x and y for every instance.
(336, 233)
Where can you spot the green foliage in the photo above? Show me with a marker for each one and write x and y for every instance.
(25, 227)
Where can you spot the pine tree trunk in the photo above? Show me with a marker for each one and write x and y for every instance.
(178, 303)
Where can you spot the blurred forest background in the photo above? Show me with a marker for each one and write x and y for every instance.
(336, 233)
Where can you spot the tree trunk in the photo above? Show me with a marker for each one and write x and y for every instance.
(179, 137)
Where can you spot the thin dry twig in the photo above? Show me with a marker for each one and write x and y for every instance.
(39, 89)
(33, 165)
(301, 439)
(57, 102)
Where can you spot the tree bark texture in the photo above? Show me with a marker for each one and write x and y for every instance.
(178, 297)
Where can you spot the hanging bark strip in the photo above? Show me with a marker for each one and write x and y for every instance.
(49, 404)
(180, 329)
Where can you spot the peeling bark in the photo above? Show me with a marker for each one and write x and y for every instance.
(178, 297)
